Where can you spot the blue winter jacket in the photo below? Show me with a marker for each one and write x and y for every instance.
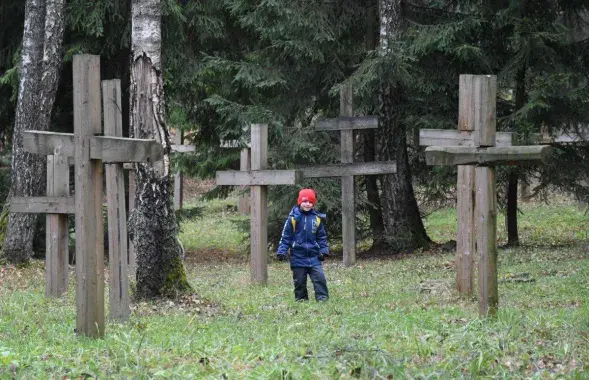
(305, 235)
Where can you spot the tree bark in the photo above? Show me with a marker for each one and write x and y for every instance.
(27, 169)
(160, 269)
(511, 212)
(375, 208)
(402, 221)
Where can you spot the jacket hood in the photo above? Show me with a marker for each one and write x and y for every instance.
(297, 212)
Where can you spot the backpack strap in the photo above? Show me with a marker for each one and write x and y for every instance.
(293, 221)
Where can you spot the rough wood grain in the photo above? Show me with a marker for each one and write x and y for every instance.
(514, 155)
(243, 201)
(449, 137)
(259, 201)
(347, 122)
(105, 148)
(486, 227)
(466, 109)
(116, 212)
(347, 182)
(350, 169)
(88, 182)
(43, 205)
(258, 177)
(465, 239)
(57, 229)
(485, 94)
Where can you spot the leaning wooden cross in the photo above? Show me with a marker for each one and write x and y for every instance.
(258, 179)
(485, 155)
(346, 123)
(89, 152)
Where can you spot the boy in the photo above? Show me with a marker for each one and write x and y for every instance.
(305, 235)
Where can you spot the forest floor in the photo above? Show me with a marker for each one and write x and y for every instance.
(386, 318)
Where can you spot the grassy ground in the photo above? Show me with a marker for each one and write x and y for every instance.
(386, 319)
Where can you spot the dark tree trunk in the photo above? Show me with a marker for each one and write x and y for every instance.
(511, 212)
(403, 226)
(27, 169)
(375, 209)
(160, 269)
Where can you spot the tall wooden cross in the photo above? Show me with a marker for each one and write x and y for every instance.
(478, 102)
(89, 152)
(347, 123)
(258, 179)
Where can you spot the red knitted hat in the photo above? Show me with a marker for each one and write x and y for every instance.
(306, 195)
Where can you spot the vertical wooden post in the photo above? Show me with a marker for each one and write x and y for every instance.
(243, 203)
(57, 231)
(465, 239)
(347, 182)
(117, 215)
(259, 204)
(178, 177)
(486, 203)
(132, 254)
(88, 180)
(486, 224)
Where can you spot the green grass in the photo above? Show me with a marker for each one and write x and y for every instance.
(385, 319)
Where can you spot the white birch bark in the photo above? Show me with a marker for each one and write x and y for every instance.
(27, 169)
(160, 270)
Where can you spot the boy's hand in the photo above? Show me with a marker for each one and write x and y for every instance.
(322, 256)
(281, 257)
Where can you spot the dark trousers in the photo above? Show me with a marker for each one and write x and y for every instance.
(299, 275)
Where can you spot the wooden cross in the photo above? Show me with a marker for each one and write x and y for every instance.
(89, 152)
(243, 200)
(346, 123)
(477, 110)
(258, 179)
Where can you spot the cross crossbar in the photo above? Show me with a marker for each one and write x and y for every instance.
(508, 155)
(259, 177)
(347, 123)
(450, 137)
(351, 169)
(105, 148)
(43, 205)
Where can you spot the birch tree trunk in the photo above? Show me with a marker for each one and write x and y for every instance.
(402, 222)
(160, 269)
(27, 169)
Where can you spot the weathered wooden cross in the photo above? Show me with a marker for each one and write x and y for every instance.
(347, 123)
(89, 152)
(477, 109)
(258, 178)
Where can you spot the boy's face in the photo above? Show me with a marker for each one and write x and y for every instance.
(306, 205)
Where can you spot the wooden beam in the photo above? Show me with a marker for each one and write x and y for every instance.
(259, 217)
(243, 201)
(116, 213)
(487, 156)
(486, 230)
(108, 149)
(234, 144)
(48, 143)
(258, 177)
(450, 137)
(132, 254)
(347, 123)
(88, 181)
(43, 205)
(57, 228)
(485, 99)
(122, 149)
(350, 169)
(465, 239)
